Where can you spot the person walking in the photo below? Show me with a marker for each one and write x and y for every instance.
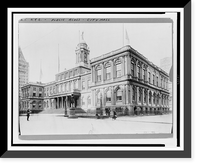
(28, 114)
(114, 115)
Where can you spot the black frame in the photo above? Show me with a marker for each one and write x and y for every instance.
(187, 153)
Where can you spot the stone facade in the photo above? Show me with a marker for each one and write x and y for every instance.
(121, 80)
(32, 97)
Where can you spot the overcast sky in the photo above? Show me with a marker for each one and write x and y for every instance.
(39, 43)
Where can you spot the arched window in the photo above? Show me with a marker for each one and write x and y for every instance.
(153, 79)
(154, 98)
(54, 89)
(34, 104)
(133, 94)
(150, 97)
(140, 95)
(40, 104)
(83, 102)
(119, 95)
(144, 73)
(108, 71)
(75, 84)
(118, 68)
(145, 96)
(66, 86)
(98, 97)
(108, 96)
(138, 71)
(158, 99)
(149, 77)
(89, 100)
(157, 80)
(59, 88)
(69, 86)
(98, 73)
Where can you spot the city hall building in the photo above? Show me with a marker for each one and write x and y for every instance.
(122, 80)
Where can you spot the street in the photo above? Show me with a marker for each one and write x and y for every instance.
(48, 124)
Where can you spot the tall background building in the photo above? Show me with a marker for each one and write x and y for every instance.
(166, 65)
(23, 71)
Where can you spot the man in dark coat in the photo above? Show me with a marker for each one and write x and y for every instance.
(28, 114)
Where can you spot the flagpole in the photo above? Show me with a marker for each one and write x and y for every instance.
(58, 60)
(123, 34)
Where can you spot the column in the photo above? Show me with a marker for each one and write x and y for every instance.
(127, 94)
(146, 75)
(92, 74)
(102, 72)
(141, 71)
(57, 102)
(123, 65)
(142, 99)
(136, 95)
(92, 101)
(128, 65)
(136, 64)
(112, 66)
(147, 97)
(114, 70)
(62, 102)
(113, 95)
(124, 94)
(131, 94)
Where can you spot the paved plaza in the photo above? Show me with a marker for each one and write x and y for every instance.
(48, 124)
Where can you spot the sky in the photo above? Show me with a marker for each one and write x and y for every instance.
(41, 43)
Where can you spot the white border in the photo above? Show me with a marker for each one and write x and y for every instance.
(89, 141)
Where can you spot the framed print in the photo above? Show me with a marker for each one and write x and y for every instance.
(99, 82)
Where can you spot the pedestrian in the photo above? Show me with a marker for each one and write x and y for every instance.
(28, 114)
(114, 115)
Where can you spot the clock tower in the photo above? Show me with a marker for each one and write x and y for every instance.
(82, 53)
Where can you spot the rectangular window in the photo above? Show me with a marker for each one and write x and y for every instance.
(34, 94)
(118, 70)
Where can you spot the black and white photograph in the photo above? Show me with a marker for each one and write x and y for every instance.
(96, 81)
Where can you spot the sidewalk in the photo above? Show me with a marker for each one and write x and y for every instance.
(58, 124)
